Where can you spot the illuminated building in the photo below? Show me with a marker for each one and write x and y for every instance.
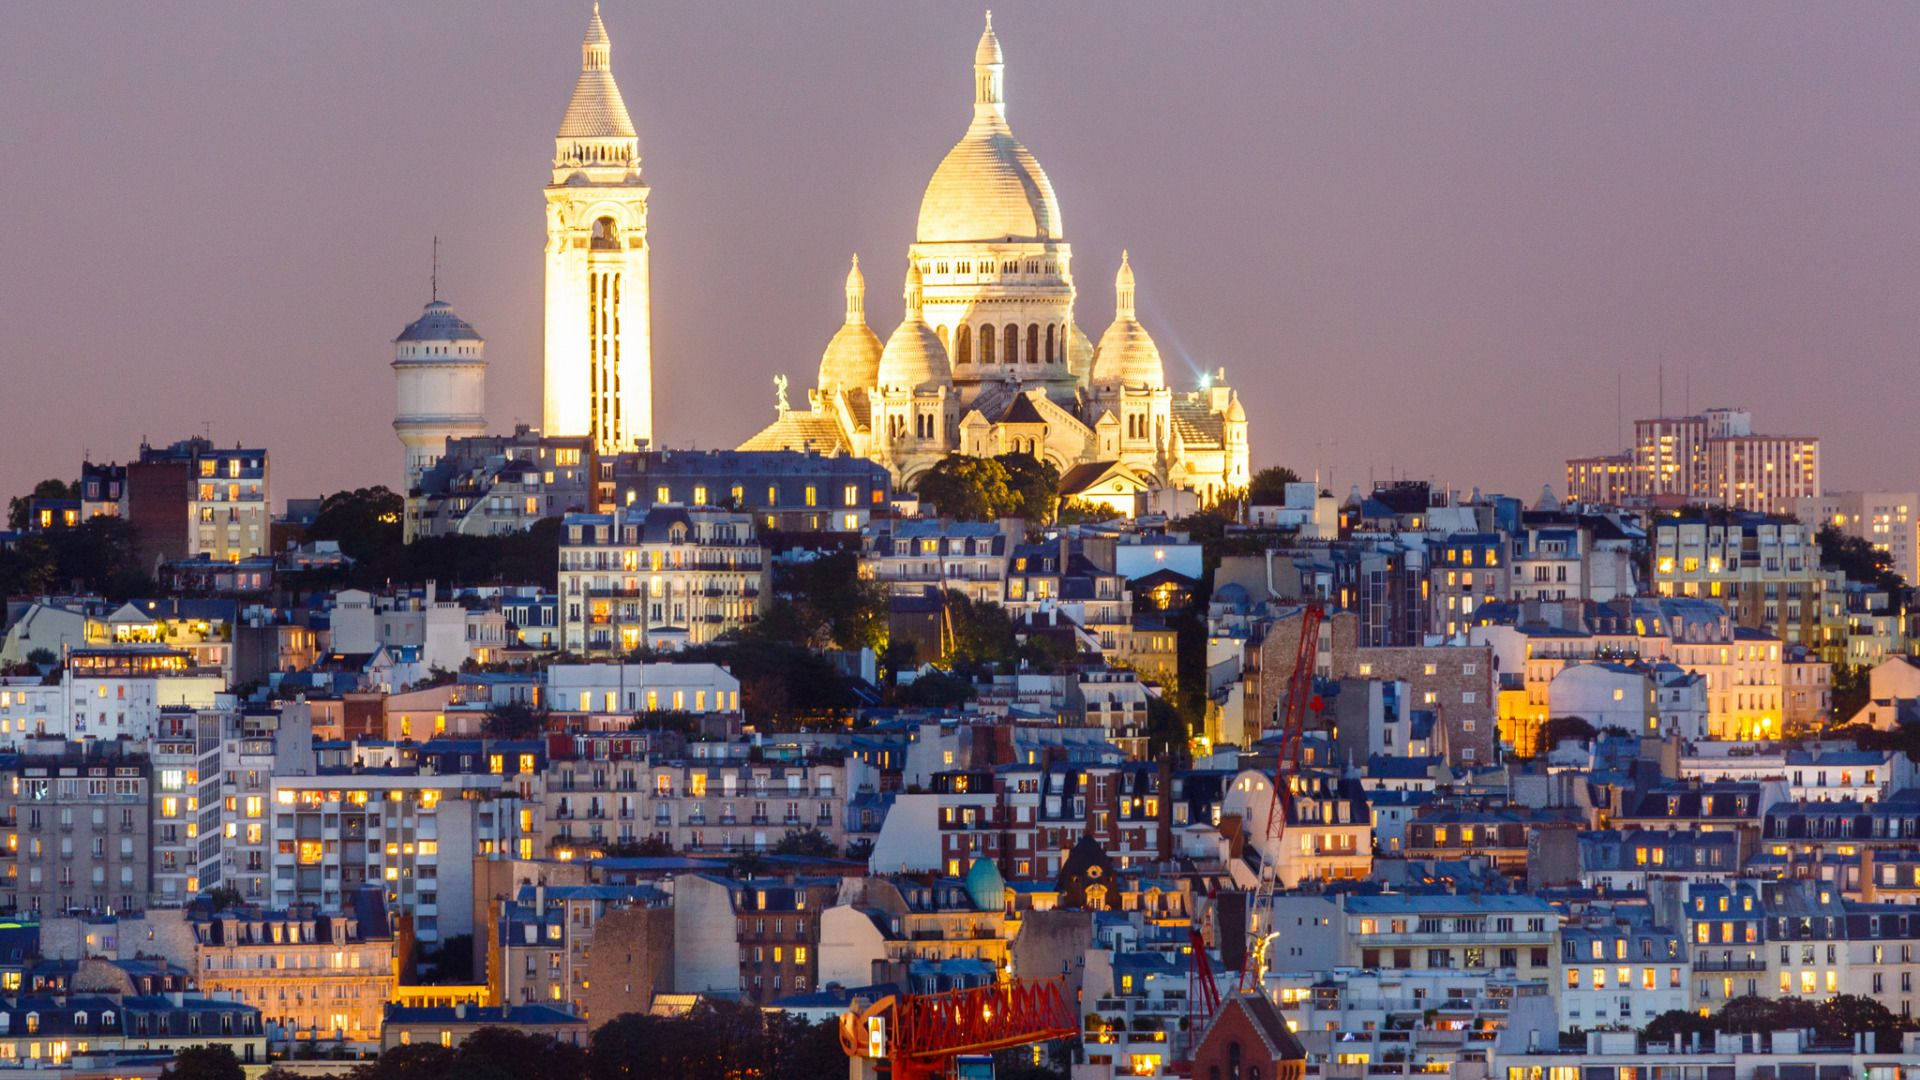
(599, 378)
(1712, 457)
(440, 371)
(659, 577)
(314, 975)
(988, 358)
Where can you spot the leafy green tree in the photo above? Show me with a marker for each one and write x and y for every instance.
(1269, 486)
(1845, 1015)
(1851, 690)
(1034, 489)
(502, 1053)
(934, 690)
(1562, 728)
(420, 1061)
(43, 657)
(808, 843)
(1080, 512)
(1752, 1014)
(19, 506)
(967, 488)
(982, 632)
(514, 720)
(366, 522)
(1682, 1022)
(1860, 560)
(204, 1063)
(825, 603)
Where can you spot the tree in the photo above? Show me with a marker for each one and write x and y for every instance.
(1845, 1015)
(967, 488)
(1851, 690)
(1752, 1014)
(514, 720)
(1859, 559)
(934, 690)
(1081, 512)
(204, 1063)
(982, 632)
(1033, 486)
(809, 843)
(20, 505)
(223, 898)
(420, 1061)
(43, 657)
(502, 1053)
(825, 603)
(1682, 1022)
(1269, 486)
(364, 521)
(1562, 728)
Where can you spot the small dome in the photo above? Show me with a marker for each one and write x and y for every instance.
(1236, 412)
(988, 51)
(852, 359)
(1126, 354)
(988, 187)
(439, 323)
(914, 358)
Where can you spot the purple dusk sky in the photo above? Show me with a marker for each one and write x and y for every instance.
(1421, 238)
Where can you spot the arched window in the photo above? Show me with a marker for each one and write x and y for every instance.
(986, 344)
(1033, 343)
(606, 235)
(1233, 1060)
(1050, 343)
(1012, 343)
(963, 339)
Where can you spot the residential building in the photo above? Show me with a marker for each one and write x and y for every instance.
(658, 577)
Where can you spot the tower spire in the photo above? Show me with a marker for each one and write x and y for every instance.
(596, 51)
(436, 267)
(1123, 289)
(989, 72)
(913, 292)
(856, 295)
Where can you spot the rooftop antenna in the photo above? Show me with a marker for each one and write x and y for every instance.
(436, 267)
(1619, 414)
(1663, 388)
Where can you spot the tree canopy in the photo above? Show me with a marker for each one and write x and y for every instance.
(967, 488)
(1859, 560)
(1269, 486)
(98, 555)
(204, 1063)
(19, 505)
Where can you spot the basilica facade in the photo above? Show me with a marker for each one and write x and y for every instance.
(987, 357)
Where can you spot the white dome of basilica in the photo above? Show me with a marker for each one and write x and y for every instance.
(914, 357)
(852, 359)
(989, 186)
(1126, 354)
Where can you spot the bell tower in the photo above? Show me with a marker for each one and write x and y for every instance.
(599, 333)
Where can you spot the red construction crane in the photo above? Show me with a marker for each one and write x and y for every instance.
(922, 1034)
(1293, 726)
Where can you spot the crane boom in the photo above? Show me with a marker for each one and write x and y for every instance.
(1287, 765)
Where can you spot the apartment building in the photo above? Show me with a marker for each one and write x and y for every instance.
(413, 831)
(910, 556)
(731, 802)
(658, 577)
(78, 830)
(1765, 570)
(314, 975)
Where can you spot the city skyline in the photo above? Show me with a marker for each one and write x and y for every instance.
(1428, 292)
